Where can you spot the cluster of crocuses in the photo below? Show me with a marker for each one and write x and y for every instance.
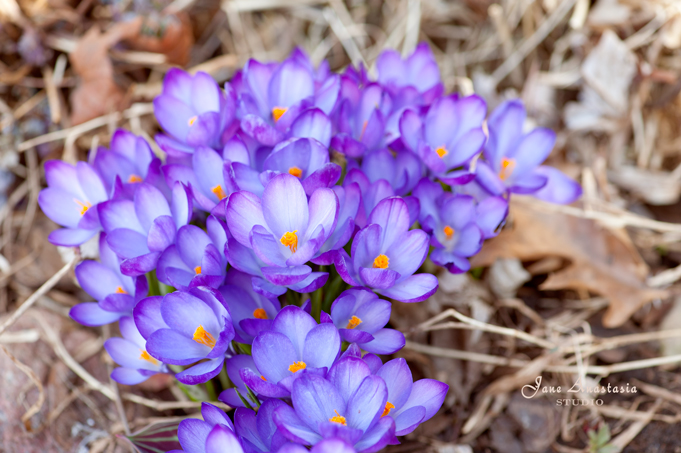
(255, 244)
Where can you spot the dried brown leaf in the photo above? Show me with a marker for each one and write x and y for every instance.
(175, 43)
(602, 261)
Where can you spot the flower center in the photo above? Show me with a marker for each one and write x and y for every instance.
(197, 270)
(278, 112)
(354, 322)
(259, 313)
(203, 337)
(263, 378)
(449, 231)
(388, 407)
(507, 167)
(338, 418)
(145, 356)
(297, 366)
(217, 190)
(120, 290)
(295, 171)
(381, 262)
(84, 206)
(192, 120)
(442, 151)
(290, 240)
(134, 178)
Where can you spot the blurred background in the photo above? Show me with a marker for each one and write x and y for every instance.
(601, 275)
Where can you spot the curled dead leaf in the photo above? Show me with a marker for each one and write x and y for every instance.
(602, 261)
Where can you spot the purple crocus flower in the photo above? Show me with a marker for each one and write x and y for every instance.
(130, 352)
(361, 316)
(361, 119)
(116, 294)
(348, 404)
(245, 260)
(213, 434)
(197, 327)
(409, 403)
(128, 162)
(274, 96)
(139, 231)
(419, 71)
(451, 221)
(196, 258)
(68, 200)
(295, 343)
(402, 170)
(284, 230)
(448, 137)
(234, 365)
(258, 432)
(513, 158)
(251, 312)
(349, 200)
(193, 110)
(306, 159)
(385, 255)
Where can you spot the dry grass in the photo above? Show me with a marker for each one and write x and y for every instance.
(603, 75)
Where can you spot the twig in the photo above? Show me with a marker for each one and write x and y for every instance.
(632, 431)
(39, 292)
(169, 405)
(35, 408)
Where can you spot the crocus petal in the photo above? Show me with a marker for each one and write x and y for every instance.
(367, 403)
(559, 189)
(222, 439)
(273, 353)
(90, 314)
(382, 433)
(393, 216)
(70, 237)
(200, 373)
(378, 278)
(128, 376)
(408, 254)
(172, 347)
(284, 205)
(286, 276)
(316, 400)
(293, 428)
(150, 204)
(398, 379)
(408, 420)
(322, 345)
(295, 324)
(416, 288)
(428, 393)
(386, 341)
(244, 211)
(347, 375)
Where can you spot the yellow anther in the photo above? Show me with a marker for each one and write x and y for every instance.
(259, 313)
(449, 231)
(354, 322)
(145, 356)
(442, 151)
(197, 270)
(297, 366)
(278, 112)
(192, 120)
(204, 337)
(84, 206)
(295, 171)
(381, 262)
(507, 166)
(263, 378)
(120, 290)
(134, 178)
(388, 407)
(338, 418)
(217, 190)
(290, 240)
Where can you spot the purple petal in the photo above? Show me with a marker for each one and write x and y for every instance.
(200, 373)
(382, 433)
(559, 189)
(316, 400)
(244, 211)
(386, 341)
(367, 404)
(295, 324)
(90, 314)
(347, 375)
(321, 347)
(273, 353)
(150, 204)
(416, 288)
(284, 205)
(286, 276)
(293, 428)
(408, 420)
(222, 439)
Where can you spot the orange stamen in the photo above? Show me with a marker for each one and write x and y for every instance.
(442, 151)
(134, 178)
(338, 418)
(449, 231)
(197, 270)
(259, 313)
(278, 112)
(203, 337)
(120, 290)
(354, 322)
(507, 166)
(145, 356)
(364, 128)
(263, 378)
(295, 171)
(297, 366)
(83, 206)
(381, 262)
(217, 190)
(388, 407)
(290, 240)
(192, 120)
